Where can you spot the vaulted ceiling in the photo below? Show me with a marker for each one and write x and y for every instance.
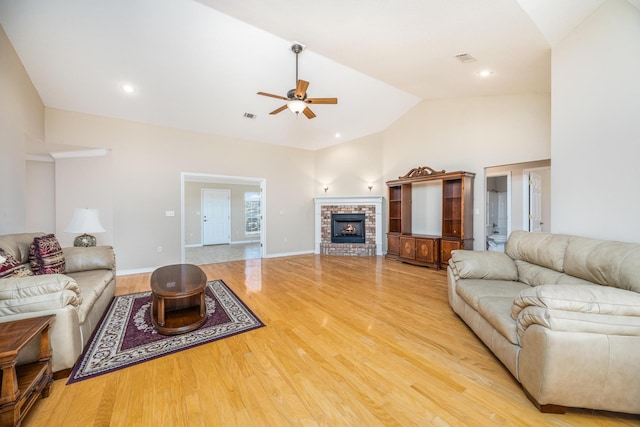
(197, 65)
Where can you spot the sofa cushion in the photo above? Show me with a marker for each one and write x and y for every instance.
(543, 249)
(472, 290)
(92, 284)
(11, 267)
(534, 275)
(607, 263)
(18, 245)
(497, 311)
(46, 256)
(484, 265)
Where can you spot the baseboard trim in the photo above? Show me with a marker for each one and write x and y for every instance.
(285, 254)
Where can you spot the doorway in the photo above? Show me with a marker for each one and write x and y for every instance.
(498, 210)
(206, 236)
(528, 187)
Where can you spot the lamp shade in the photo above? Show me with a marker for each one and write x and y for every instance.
(85, 221)
(297, 106)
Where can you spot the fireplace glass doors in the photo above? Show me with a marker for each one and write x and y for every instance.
(347, 228)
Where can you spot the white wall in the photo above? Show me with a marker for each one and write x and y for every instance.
(596, 126)
(21, 122)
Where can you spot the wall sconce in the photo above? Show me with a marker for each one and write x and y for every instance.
(370, 187)
(326, 188)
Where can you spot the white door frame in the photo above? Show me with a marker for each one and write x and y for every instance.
(223, 179)
(525, 193)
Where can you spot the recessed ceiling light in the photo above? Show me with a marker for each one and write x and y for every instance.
(128, 88)
(485, 73)
(337, 135)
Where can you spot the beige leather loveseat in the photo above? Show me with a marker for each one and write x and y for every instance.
(561, 312)
(78, 298)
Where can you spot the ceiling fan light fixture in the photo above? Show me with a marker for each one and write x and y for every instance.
(297, 107)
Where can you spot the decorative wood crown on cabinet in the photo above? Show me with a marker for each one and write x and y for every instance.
(457, 218)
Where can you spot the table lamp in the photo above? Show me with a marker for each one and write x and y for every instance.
(85, 221)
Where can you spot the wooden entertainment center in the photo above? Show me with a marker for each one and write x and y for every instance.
(457, 218)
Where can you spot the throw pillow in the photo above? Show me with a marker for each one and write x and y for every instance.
(11, 267)
(46, 256)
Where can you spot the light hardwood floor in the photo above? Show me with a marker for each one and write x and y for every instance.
(349, 341)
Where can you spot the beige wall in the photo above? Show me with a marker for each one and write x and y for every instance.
(21, 122)
(147, 163)
(348, 168)
(193, 206)
(596, 126)
(469, 134)
(41, 196)
(85, 182)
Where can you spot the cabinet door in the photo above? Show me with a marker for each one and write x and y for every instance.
(408, 247)
(393, 245)
(427, 250)
(445, 252)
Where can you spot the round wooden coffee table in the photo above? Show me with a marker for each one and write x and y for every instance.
(177, 299)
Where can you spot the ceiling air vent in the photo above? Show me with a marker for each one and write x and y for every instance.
(465, 57)
(249, 115)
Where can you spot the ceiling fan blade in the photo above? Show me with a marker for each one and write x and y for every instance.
(284, 107)
(301, 89)
(321, 100)
(307, 112)
(272, 96)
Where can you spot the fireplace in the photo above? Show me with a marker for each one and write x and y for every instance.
(348, 228)
(370, 207)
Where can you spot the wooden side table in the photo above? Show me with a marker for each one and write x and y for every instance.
(22, 385)
(177, 299)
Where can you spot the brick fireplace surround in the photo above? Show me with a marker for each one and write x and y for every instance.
(370, 206)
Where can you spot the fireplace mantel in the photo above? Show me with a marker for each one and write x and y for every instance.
(348, 201)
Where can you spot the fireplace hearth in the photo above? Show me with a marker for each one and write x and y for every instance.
(348, 228)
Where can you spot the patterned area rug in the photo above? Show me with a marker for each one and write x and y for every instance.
(126, 336)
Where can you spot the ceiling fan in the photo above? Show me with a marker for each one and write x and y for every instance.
(297, 98)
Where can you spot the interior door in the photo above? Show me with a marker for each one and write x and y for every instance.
(216, 216)
(535, 202)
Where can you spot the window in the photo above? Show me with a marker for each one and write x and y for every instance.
(252, 213)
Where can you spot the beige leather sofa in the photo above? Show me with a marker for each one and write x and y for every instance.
(78, 298)
(561, 312)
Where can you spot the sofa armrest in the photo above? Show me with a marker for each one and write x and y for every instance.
(89, 258)
(580, 298)
(578, 308)
(38, 303)
(482, 265)
(16, 288)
